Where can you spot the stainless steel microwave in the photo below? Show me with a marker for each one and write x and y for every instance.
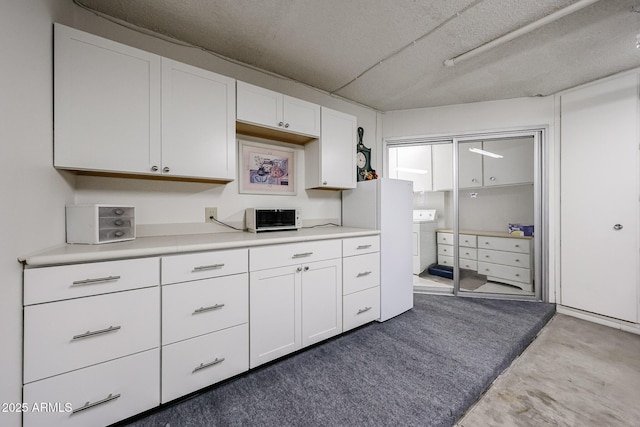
(258, 220)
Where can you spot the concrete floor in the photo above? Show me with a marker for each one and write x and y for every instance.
(576, 373)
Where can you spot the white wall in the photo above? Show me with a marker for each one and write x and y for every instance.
(511, 114)
(33, 193)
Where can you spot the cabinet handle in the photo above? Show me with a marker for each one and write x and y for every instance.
(324, 182)
(298, 270)
(306, 268)
(617, 227)
(492, 178)
(94, 333)
(364, 310)
(517, 260)
(280, 124)
(364, 273)
(286, 125)
(94, 281)
(517, 274)
(363, 247)
(118, 222)
(166, 169)
(474, 180)
(207, 267)
(486, 256)
(205, 309)
(206, 365)
(154, 168)
(90, 405)
(517, 246)
(302, 255)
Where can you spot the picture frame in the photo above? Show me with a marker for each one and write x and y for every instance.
(266, 169)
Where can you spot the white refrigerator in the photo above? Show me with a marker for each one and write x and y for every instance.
(386, 205)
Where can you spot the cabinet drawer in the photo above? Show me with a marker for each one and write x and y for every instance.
(445, 238)
(293, 253)
(504, 244)
(446, 250)
(360, 272)
(203, 306)
(468, 253)
(513, 259)
(183, 268)
(67, 335)
(360, 308)
(468, 240)
(190, 365)
(505, 272)
(468, 264)
(110, 391)
(360, 245)
(72, 281)
(445, 260)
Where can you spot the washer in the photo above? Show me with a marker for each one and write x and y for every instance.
(424, 239)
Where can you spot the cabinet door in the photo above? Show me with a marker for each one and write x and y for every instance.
(516, 165)
(469, 170)
(599, 176)
(301, 116)
(198, 122)
(274, 314)
(330, 162)
(259, 106)
(321, 301)
(413, 163)
(107, 104)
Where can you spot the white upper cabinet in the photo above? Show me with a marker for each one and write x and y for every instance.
(106, 105)
(514, 167)
(265, 108)
(412, 163)
(123, 110)
(330, 161)
(198, 122)
(469, 170)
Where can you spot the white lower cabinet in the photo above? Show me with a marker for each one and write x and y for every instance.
(294, 305)
(196, 363)
(361, 282)
(97, 395)
(361, 307)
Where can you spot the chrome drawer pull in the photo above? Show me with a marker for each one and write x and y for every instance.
(302, 255)
(206, 365)
(94, 281)
(364, 273)
(205, 309)
(207, 267)
(90, 405)
(364, 310)
(94, 333)
(363, 247)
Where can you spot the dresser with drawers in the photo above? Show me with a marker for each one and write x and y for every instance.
(499, 256)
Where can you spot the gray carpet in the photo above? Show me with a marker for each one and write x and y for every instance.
(422, 368)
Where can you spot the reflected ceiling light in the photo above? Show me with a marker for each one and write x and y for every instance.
(409, 170)
(520, 31)
(485, 153)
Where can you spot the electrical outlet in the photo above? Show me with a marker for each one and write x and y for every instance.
(210, 212)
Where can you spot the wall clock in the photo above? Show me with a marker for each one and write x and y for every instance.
(363, 160)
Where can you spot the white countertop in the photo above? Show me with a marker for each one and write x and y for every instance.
(168, 245)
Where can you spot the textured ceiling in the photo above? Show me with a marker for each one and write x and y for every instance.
(389, 54)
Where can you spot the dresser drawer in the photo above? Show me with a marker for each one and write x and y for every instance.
(275, 256)
(360, 308)
(468, 264)
(468, 253)
(190, 365)
(467, 240)
(445, 250)
(504, 244)
(445, 238)
(108, 392)
(360, 272)
(183, 268)
(360, 245)
(445, 260)
(80, 280)
(66, 335)
(196, 308)
(513, 259)
(505, 272)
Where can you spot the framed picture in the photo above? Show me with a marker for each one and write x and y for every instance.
(266, 169)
